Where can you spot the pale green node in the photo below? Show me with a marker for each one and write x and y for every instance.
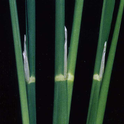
(61, 77)
(70, 77)
(32, 80)
(96, 77)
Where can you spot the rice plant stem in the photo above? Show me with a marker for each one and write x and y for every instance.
(72, 57)
(60, 114)
(109, 65)
(30, 34)
(30, 20)
(19, 62)
(59, 36)
(105, 25)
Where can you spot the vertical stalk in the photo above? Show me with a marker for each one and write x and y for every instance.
(74, 48)
(30, 34)
(109, 65)
(19, 62)
(105, 25)
(60, 114)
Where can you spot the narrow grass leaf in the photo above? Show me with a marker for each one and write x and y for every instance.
(19, 62)
(109, 66)
(74, 48)
(105, 25)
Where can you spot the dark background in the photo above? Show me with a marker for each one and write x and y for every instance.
(45, 22)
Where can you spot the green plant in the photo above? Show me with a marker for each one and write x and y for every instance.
(19, 62)
(66, 57)
(65, 66)
(26, 71)
(106, 19)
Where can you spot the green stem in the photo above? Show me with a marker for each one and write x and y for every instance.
(19, 62)
(60, 114)
(59, 36)
(30, 34)
(74, 48)
(105, 25)
(109, 65)
(32, 102)
(30, 21)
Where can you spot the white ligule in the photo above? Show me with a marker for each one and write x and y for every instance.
(99, 76)
(103, 61)
(65, 54)
(26, 64)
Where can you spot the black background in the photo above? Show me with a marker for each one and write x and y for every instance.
(10, 112)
